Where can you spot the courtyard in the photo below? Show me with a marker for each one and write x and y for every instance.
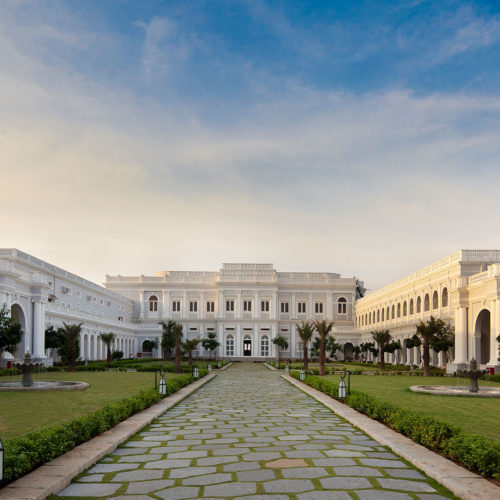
(250, 434)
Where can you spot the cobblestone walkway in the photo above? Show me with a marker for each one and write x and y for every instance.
(250, 434)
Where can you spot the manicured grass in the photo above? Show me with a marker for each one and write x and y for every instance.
(21, 412)
(478, 415)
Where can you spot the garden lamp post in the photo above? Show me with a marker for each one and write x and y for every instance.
(218, 364)
(209, 368)
(342, 387)
(287, 369)
(162, 388)
(1, 460)
(302, 375)
(196, 372)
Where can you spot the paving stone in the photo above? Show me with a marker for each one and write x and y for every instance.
(256, 475)
(148, 486)
(263, 497)
(381, 495)
(240, 466)
(167, 464)
(354, 447)
(187, 454)
(344, 483)
(333, 462)
(104, 468)
(262, 456)
(296, 437)
(406, 473)
(129, 451)
(190, 471)
(139, 458)
(324, 495)
(178, 493)
(231, 451)
(216, 460)
(286, 463)
(378, 462)
(304, 454)
(140, 444)
(344, 453)
(137, 475)
(91, 478)
(431, 496)
(131, 497)
(288, 486)
(304, 473)
(207, 479)
(402, 484)
(357, 471)
(89, 489)
(230, 490)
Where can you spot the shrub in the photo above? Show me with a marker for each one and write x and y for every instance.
(475, 452)
(23, 454)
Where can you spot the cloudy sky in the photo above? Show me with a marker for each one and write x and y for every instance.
(359, 137)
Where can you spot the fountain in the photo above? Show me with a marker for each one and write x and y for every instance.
(473, 374)
(27, 383)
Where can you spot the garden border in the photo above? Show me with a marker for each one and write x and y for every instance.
(461, 482)
(55, 475)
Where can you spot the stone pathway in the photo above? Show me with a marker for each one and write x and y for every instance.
(249, 434)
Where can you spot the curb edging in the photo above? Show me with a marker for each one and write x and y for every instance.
(463, 483)
(55, 475)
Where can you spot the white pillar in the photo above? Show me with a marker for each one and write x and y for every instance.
(38, 330)
(494, 331)
(460, 335)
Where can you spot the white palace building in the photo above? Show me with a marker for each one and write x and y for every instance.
(247, 305)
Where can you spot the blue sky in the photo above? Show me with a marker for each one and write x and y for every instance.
(352, 137)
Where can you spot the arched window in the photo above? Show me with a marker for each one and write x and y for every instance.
(399, 310)
(426, 302)
(370, 318)
(393, 315)
(366, 319)
(378, 315)
(444, 298)
(411, 307)
(342, 306)
(387, 314)
(405, 308)
(435, 300)
(264, 346)
(383, 313)
(153, 303)
(229, 345)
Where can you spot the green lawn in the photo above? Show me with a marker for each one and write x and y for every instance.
(24, 411)
(479, 415)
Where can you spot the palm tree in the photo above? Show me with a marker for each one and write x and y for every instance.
(382, 338)
(430, 332)
(177, 331)
(323, 328)
(72, 343)
(108, 338)
(280, 342)
(189, 346)
(305, 331)
(167, 338)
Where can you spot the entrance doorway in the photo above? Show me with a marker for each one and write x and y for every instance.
(247, 346)
(482, 337)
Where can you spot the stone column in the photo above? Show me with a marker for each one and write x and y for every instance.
(38, 330)
(494, 331)
(460, 335)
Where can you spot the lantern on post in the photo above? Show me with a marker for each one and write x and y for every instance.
(218, 364)
(162, 388)
(287, 369)
(196, 372)
(1, 460)
(342, 387)
(302, 375)
(209, 368)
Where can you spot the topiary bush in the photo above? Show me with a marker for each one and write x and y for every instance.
(475, 452)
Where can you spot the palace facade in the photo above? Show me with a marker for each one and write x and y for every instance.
(248, 305)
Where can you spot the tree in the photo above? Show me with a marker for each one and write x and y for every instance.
(189, 346)
(281, 342)
(369, 347)
(10, 332)
(177, 331)
(167, 338)
(332, 347)
(433, 330)
(323, 328)
(442, 343)
(315, 346)
(70, 349)
(382, 338)
(305, 331)
(210, 343)
(108, 338)
(54, 339)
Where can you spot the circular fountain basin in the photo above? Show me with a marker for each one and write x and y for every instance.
(47, 385)
(457, 390)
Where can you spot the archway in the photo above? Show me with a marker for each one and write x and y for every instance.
(482, 337)
(247, 346)
(147, 350)
(17, 314)
(348, 351)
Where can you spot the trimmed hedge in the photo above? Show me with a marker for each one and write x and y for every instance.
(24, 454)
(477, 453)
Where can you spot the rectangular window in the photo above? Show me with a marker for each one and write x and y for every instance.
(301, 307)
(247, 305)
(264, 306)
(230, 305)
(284, 307)
(193, 306)
(318, 307)
(176, 306)
(210, 307)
